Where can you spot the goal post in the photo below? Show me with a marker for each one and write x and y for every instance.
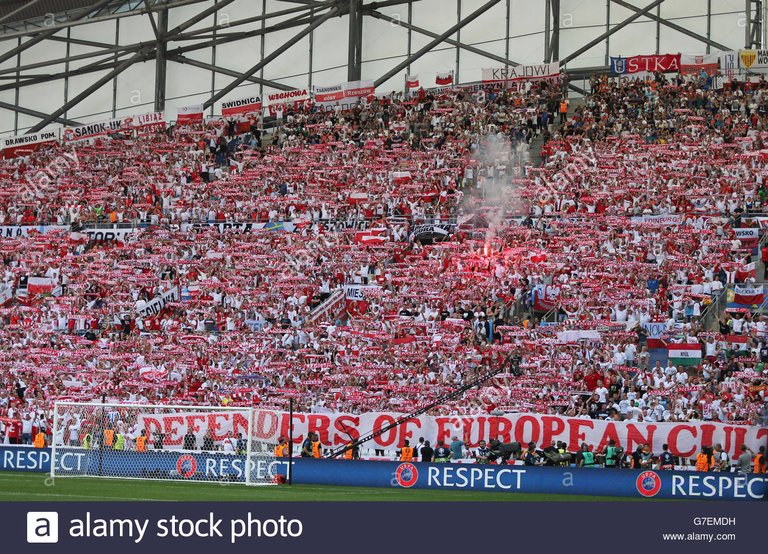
(159, 442)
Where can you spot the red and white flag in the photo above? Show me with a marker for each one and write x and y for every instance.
(745, 272)
(411, 81)
(149, 373)
(358, 197)
(748, 296)
(190, 114)
(401, 177)
(738, 342)
(377, 235)
(39, 285)
(445, 78)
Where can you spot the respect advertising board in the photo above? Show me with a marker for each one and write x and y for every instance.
(206, 466)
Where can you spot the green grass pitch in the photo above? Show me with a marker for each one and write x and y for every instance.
(39, 487)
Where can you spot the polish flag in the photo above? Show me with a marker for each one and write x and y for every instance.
(358, 197)
(371, 236)
(443, 79)
(411, 81)
(745, 272)
(401, 177)
(748, 296)
(39, 285)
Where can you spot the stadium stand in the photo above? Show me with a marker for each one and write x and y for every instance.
(371, 259)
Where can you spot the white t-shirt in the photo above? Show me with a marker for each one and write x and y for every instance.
(74, 431)
(602, 393)
(738, 325)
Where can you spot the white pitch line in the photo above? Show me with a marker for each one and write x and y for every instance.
(77, 497)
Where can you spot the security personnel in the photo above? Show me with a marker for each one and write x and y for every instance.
(39, 441)
(704, 459)
(109, 437)
(317, 449)
(667, 460)
(281, 450)
(611, 454)
(561, 450)
(87, 441)
(760, 461)
(406, 452)
(349, 452)
(587, 457)
(306, 446)
(119, 441)
(141, 441)
(442, 454)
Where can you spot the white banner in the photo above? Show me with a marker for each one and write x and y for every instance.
(284, 98)
(242, 106)
(684, 439)
(155, 306)
(695, 63)
(345, 95)
(108, 235)
(747, 233)
(521, 73)
(239, 227)
(575, 335)
(101, 128)
(16, 231)
(147, 123)
(32, 138)
(358, 89)
(6, 294)
(729, 63)
(361, 292)
(661, 220)
(754, 60)
(22, 144)
(329, 95)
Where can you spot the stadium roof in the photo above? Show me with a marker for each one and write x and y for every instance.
(29, 15)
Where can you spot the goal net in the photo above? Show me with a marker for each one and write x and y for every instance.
(188, 443)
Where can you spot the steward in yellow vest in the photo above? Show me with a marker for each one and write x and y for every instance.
(281, 450)
(406, 452)
(703, 460)
(141, 442)
(39, 440)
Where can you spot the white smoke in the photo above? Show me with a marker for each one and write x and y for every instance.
(500, 196)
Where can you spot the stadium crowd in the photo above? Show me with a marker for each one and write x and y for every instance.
(428, 209)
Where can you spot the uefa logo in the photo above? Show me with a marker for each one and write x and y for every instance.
(186, 465)
(406, 475)
(648, 483)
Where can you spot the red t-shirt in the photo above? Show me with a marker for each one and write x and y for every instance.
(591, 380)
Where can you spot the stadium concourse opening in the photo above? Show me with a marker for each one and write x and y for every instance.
(525, 278)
